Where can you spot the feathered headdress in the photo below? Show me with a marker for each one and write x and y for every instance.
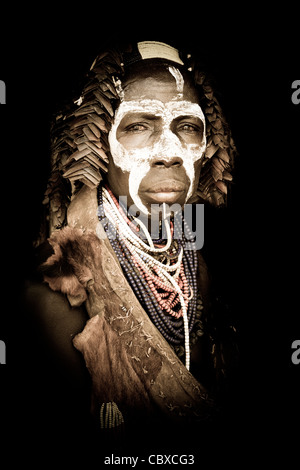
(79, 134)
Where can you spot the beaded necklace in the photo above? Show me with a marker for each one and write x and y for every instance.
(162, 275)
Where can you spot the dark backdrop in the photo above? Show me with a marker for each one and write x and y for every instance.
(252, 246)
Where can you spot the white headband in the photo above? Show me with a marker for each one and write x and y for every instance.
(160, 50)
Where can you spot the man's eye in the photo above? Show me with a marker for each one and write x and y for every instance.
(136, 128)
(188, 128)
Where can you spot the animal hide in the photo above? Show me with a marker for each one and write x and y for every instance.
(129, 361)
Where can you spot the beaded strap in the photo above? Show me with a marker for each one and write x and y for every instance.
(110, 416)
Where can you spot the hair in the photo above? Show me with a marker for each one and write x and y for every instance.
(79, 132)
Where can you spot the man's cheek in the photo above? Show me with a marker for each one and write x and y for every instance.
(136, 175)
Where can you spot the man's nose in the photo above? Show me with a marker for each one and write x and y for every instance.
(167, 162)
(167, 151)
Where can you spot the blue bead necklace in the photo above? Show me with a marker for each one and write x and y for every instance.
(173, 329)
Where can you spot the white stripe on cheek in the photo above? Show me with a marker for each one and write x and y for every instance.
(136, 175)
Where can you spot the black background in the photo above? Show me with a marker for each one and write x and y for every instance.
(253, 245)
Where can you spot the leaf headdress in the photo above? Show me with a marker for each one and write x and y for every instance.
(79, 133)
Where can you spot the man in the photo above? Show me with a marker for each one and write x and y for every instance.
(145, 139)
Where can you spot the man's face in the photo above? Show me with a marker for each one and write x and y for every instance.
(156, 141)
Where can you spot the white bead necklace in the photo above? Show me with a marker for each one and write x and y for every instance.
(141, 252)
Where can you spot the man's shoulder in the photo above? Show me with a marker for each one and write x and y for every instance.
(50, 307)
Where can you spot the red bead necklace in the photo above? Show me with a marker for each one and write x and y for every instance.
(164, 292)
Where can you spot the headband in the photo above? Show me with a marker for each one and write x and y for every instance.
(152, 50)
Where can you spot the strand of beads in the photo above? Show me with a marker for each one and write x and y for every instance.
(190, 262)
(117, 214)
(167, 327)
(171, 331)
(156, 280)
(110, 416)
(163, 279)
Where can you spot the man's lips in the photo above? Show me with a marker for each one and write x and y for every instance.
(168, 191)
(167, 186)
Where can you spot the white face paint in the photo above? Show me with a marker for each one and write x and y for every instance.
(179, 81)
(137, 161)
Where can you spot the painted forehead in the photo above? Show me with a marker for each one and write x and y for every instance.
(168, 111)
(157, 81)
